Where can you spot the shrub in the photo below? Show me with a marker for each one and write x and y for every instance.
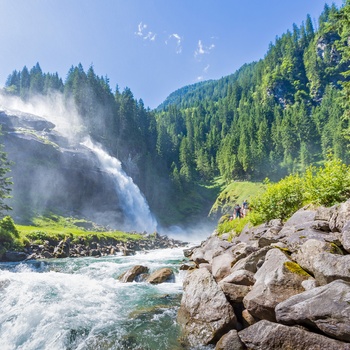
(327, 185)
(280, 200)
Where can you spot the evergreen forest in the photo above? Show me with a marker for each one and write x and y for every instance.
(269, 119)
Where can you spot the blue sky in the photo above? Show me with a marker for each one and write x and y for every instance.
(151, 46)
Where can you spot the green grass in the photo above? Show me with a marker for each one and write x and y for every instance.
(235, 192)
(58, 228)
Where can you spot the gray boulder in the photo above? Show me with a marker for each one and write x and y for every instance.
(345, 236)
(252, 262)
(265, 335)
(340, 216)
(15, 256)
(325, 308)
(309, 251)
(234, 292)
(241, 277)
(230, 341)
(276, 280)
(204, 314)
(221, 265)
(330, 267)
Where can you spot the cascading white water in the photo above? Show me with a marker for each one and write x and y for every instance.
(138, 216)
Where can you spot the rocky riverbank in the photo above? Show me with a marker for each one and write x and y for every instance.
(94, 247)
(275, 286)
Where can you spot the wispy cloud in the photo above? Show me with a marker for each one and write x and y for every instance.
(178, 39)
(205, 71)
(202, 49)
(144, 34)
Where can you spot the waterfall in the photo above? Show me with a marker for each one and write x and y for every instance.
(138, 216)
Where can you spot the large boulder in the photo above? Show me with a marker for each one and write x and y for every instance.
(15, 256)
(309, 251)
(204, 314)
(162, 275)
(325, 308)
(330, 267)
(133, 273)
(276, 280)
(265, 335)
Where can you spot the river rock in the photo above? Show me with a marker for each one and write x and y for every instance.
(133, 273)
(265, 335)
(325, 308)
(204, 314)
(162, 275)
(15, 256)
(275, 281)
(309, 251)
(230, 341)
(330, 267)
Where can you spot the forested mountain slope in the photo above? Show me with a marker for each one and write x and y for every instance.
(270, 118)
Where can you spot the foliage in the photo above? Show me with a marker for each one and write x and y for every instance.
(280, 199)
(235, 226)
(327, 185)
(8, 225)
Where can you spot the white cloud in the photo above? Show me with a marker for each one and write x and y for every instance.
(178, 39)
(141, 28)
(201, 49)
(206, 68)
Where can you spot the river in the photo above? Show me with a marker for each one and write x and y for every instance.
(66, 304)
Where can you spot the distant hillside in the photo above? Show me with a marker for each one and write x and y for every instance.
(210, 90)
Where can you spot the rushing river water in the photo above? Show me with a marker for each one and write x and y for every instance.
(79, 304)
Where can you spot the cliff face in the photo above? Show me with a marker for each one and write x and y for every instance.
(53, 174)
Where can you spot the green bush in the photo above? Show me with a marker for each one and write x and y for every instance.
(327, 185)
(280, 200)
(5, 237)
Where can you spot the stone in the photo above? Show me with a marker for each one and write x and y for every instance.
(221, 265)
(248, 318)
(265, 335)
(15, 256)
(234, 292)
(277, 280)
(340, 216)
(204, 314)
(241, 277)
(162, 275)
(229, 341)
(330, 267)
(309, 251)
(251, 261)
(326, 309)
(345, 236)
(132, 274)
(309, 284)
(302, 215)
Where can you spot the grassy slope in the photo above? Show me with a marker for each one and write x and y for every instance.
(235, 192)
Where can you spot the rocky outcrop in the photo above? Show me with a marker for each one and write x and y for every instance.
(288, 285)
(204, 313)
